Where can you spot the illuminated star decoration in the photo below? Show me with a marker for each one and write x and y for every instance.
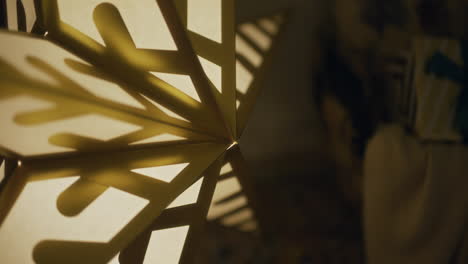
(120, 121)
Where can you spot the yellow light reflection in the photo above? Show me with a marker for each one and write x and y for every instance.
(213, 72)
(226, 207)
(34, 140)
(182, 82)
(12, 17)
(19, 235)
(256, 35)
(165, 246)
(137, 17)
(249, 226)
(159, 138)
(165, 173)
(269, 25)
(12, 14)
(164, 109)
(243, 78)
(205, 18)
(226, 188)
(226, 168)
(249, 53)
(189, 196)
(238, 217)
(109, 90)
(2, 171)
(233, 144)
(115, 260)
(26, 54)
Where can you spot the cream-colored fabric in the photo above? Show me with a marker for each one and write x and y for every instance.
(415, 199)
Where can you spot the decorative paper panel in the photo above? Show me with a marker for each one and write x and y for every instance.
(158, 63)
(86, 210)
(116, 120)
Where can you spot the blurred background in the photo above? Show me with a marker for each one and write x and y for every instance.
(309, 211)
(322, 99)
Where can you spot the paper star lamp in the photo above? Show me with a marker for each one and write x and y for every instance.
(120, 121)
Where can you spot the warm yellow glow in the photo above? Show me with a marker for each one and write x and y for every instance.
(269, 25)
(2, 171)
(111, 91)
(40, 49)
(19, 235)
(182, 82)
(143, 20)
(12, 14)
(34, 139)
(63, 103)
(223, 190)
(243, 78)
(237, 104)
(256, 35)
(159, 138)
(23, 47)
(30, 13)
(233, 144)
(227, 168)
(19, 163)
(165, 110)
(164, 173)
(205, 18)
(226, 207)
(238, 217)
(115, 260)
(250, 54)
(189, 196)
(249, 226)
(213, 72)
(165, 246)
(105, 89)
(226, 188)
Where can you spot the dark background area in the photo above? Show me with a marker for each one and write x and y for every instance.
(323, 98)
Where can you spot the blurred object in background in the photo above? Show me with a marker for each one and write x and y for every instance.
(437, 82)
